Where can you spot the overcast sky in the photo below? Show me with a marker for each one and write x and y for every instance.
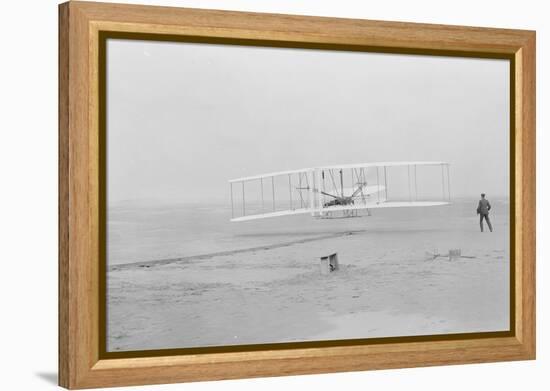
(184, 118)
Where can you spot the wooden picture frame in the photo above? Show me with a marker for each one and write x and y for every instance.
(82, 362)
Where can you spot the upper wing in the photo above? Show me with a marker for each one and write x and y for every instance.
(384, 164)
(271, 175)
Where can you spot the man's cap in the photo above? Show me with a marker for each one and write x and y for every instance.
(483, 194)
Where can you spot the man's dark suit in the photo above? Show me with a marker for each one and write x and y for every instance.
(483, 209)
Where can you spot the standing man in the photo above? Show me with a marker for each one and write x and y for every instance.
(483, 209)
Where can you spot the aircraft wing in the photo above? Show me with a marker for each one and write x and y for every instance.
(389, 204)
(272, 195)
(272, 214)
(330, 189)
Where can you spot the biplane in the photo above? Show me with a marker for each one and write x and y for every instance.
(339, 191)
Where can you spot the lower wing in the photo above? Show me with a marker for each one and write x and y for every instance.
(338, 208)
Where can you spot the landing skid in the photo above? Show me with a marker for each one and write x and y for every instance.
(346, 214)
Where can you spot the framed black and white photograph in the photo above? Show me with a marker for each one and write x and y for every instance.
(294, 197)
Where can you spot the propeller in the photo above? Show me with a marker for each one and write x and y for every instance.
(359, 189)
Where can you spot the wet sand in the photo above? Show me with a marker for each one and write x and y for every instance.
(386, 286)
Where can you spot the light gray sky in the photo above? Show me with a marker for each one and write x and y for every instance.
(184, 118)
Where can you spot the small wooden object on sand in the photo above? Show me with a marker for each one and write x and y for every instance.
(454, 254)
(329, 263)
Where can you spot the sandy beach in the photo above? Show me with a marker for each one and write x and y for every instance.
(262, 283)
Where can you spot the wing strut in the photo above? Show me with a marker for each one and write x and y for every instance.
(232, 208)
(273, 190)
(243, 200)
(448, 183)
(409, 183)
(415, 185)
(290, 190)
(443, 181)
(262, 191)
(378, 183)
(386, 183)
